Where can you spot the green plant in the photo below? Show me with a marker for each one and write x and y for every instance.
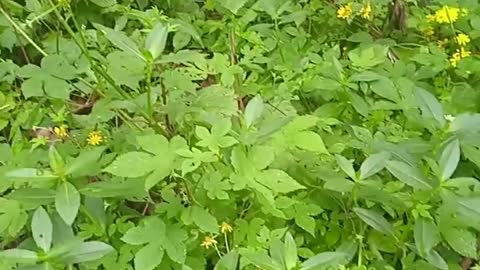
(188, 134)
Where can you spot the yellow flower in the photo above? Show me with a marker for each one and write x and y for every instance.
(208, 242)
(459, 55)
(462, 39)
(366, 11)
(447, 14)
(60, 132)
(225, 228)
(95, 138)
(345, 11)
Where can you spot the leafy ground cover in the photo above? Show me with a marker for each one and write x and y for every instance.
(239, 134)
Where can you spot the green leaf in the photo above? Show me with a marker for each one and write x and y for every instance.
(463, 241)
(132, 164)
(156, 40)
(469, 207)
(426, 235)
(278, 181)
(175, 243)
(311, 141)
(260, 259)
(81, 165)
(121, 40)
(154, 144)
(31, 175)
(204, 220)
(254, 109)
(323, 260)
(228, 261)
(67, 202)
(149, 257)
(449, 158)
(19, 255)
(42, 229)
(152, 230)
(408, 174)
(430, 106)
(373, 164)
(375, 220)
(346, 166)
(306, 222)
(233, 5)
(56, 161)
(290, 252)
(32, 197)
(436, 260)
(88, 251)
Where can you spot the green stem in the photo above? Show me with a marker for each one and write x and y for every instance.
(23, 33)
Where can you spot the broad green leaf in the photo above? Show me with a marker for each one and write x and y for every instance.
(81, 165)
(88, 251)
(56, 161)
(408, 174)
(233, 5)
(204, 220)
(132, 164)
(310, 141)
(156, 40)
(175, 243)
(277, 249)
(254, 110)
(32, 197)
(375, 220)
(121, 40)
(323, 260)
(278, 181)
(228, 261)
(436, 260)
(152, 230)
(469, 207)
(426, 235)
(449, 158)
(149, 257)
(463, 241)
(67, 202)
(30, 175)
(373, 164)
(430, 106)
(19, 255)
(346, 166)
(154, 144)
(290, 252)
(260, 259)
(42, 229)
(306, 222)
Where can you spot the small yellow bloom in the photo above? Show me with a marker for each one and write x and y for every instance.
(459, 55)
(60, 132)
(95, 138)
(225, 228)
(366, 11)
(208, 242)
(345, 11)
(462, 39)
(447, 14)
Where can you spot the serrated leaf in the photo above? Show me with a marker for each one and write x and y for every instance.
(373, 164)
(426, 235)
(132, 164)
(67, 202)
(310, 141)
(148, 257)
(42, 229)
(204, 220)
(408, 174)
(449, 159)
(375, 220)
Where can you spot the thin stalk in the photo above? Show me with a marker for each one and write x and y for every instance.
(23, 33)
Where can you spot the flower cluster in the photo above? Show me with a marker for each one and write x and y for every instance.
(446, 14)
(459, 55)
(345, 12)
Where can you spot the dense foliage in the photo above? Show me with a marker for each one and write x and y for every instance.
(239, 134)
